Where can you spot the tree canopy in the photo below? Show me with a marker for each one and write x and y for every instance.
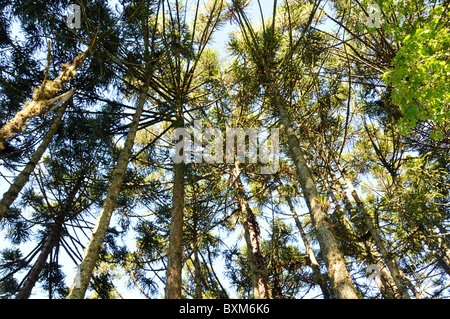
(215, 149)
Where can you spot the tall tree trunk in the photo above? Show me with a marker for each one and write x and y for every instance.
(312, 257)
(340, 277)
(439, 249)
(11, 194)
(196, 261)
(390, 262)
(175, 251)
(444, 248)
(98, 235)
(258, 269)
(366, 249)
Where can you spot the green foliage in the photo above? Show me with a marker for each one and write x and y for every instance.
(285, 265)
(420, 76)
(344, 88)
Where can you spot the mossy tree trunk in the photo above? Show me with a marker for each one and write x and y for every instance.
(11, 194)
(341, 280)
(98, 235)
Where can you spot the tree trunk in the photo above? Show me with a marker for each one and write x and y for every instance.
(439, 248)
(196, 261)
(98, 235)
(356, 247)
(340, 277)
(33, 275)
(258, 269)
(312, 257)
(11, 194)
(175, 251)
(43, 98)
(51, 240)
(197, 275)
(390, 262)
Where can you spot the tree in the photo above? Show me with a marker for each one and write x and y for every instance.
(264, 59)
(124, 152)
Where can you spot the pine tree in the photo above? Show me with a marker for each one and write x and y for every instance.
(89, 119)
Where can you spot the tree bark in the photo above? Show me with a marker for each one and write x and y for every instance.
(439, 248)
(11, 194)
(98, 235)
(33, 274)
(366, 249)
(258, 269)
(50, 241)
(340, 277)
(390, 262)
(175, 251)
(197, 275)
(312, 257)
(43, 98)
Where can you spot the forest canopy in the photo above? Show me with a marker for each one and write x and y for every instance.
(215, 149)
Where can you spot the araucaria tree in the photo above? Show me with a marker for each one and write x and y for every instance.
(224, 149)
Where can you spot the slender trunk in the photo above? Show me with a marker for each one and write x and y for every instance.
(349, 232)
(443, 245)
(11, 194)
(385, 282)
(223, 292)
(340, 277)
(348, 205)
(439, 249)
(390, 262)
(312, 257)
(251, 260)
(91, 253)
(410, 285)
(50, 242)
(197, 265)
(175, 251)
(258, 269)
(358, 248)
(33, 274)
(197, 275)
